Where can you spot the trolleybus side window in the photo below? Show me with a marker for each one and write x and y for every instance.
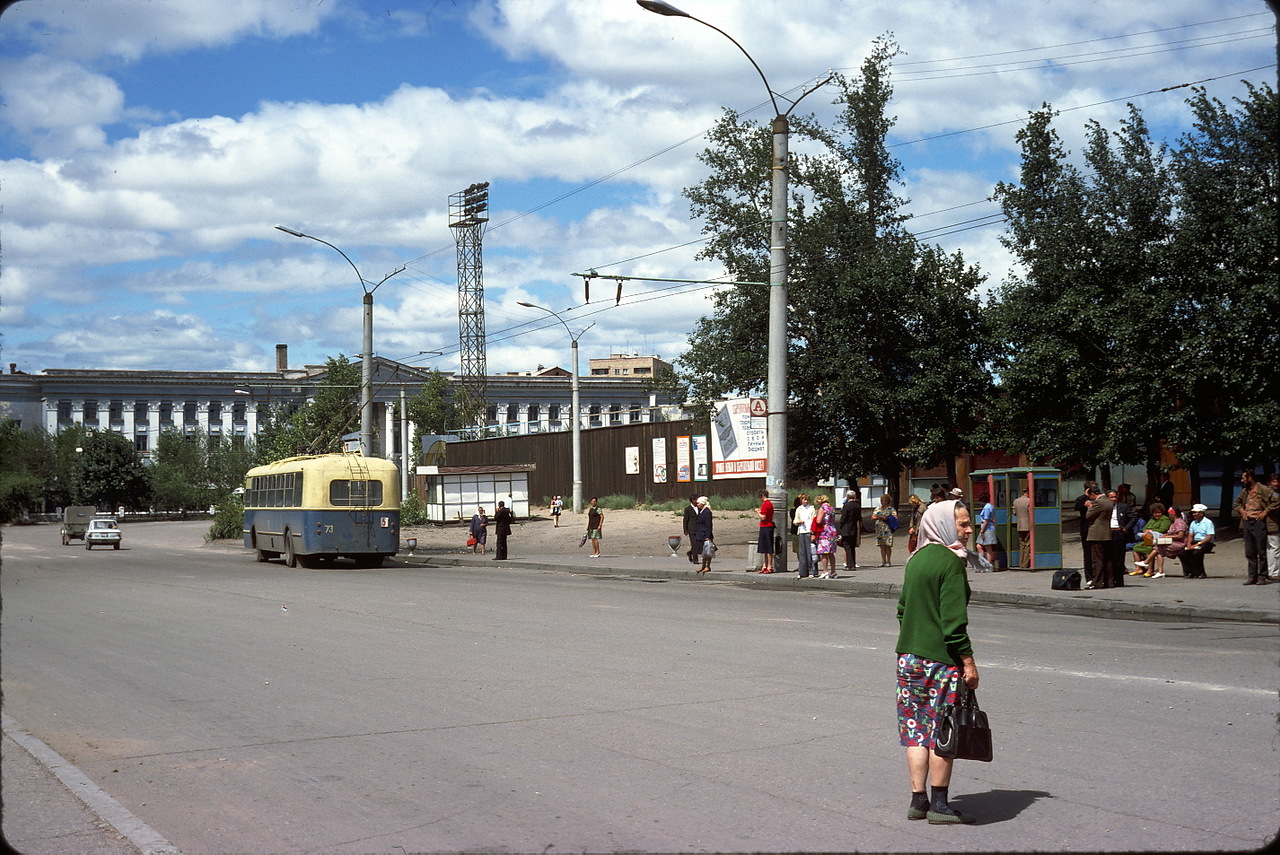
(346, 494)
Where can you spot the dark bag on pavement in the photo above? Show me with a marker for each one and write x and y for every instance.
(1066, 580)
(962, 732)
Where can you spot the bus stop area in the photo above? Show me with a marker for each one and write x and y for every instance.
(1220, 597)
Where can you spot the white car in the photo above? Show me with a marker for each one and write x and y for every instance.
(102, 532)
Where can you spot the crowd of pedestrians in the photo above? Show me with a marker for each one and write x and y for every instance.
(1112, 526)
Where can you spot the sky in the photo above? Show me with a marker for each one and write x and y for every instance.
(149, 148)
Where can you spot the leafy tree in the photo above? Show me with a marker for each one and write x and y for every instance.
(23, 455)
(194, 471)
(178, 472)
(1225, 280)
(430, 409)
(1080, 328)
(318, 425)
(877, 321)
(1142, 286)
(108, 473)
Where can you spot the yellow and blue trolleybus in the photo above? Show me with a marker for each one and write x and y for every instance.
(314, 509)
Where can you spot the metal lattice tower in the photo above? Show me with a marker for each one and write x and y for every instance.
(468, 214)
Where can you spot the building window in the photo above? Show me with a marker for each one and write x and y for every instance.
(64, 412)
(644, 370)
(140, 443)
(141, 412)
(189, 413)
(553, 416)
(594, 413)
(166, 412)
(533, 414)
(91, 412)
(599, 370)
(215, 412)
(115, 412)
(615, 414)
(513, 414)
(491, 414)
(237, 412)
(636, 414)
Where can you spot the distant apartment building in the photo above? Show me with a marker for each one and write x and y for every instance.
(624, 365)
(140, 405)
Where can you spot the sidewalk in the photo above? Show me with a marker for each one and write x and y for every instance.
(1222, 596)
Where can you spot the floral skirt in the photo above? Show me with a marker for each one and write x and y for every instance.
(923, 686)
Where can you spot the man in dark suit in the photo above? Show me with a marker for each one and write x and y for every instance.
(1098, 538)
(850, 527)
(1082, 508)
(1122, 520)
(690, 520)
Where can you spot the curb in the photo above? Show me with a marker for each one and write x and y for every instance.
(1070, 602)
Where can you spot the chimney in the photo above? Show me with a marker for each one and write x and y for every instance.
(282, 357)
(13, 368)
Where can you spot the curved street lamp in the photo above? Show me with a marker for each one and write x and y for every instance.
(776, 381)
(575, 426)
(366, 357)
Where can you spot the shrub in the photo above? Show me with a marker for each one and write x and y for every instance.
(228, 519)
(412, 512)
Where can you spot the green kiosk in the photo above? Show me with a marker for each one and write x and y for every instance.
(1044, 488)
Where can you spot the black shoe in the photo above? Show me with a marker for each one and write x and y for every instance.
(1252, 582)
(950, 816)
(1263, 580)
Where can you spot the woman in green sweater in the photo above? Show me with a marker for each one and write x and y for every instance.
(934, 651)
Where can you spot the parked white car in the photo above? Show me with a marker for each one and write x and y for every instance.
(102, 532)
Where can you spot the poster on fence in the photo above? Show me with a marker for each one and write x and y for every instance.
(684, 460)
(632, 454)
(701, 457)
(738, 449)
(659, 460)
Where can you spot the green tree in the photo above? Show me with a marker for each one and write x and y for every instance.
(1225, 278)
(108, 473)
(430, 409)
(23, 458)
(178, 472)
(317, 426)
(876, 319)
(1080, 327)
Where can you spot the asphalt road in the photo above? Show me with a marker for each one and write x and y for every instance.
(238, 707)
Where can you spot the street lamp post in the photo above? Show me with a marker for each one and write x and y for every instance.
(575, 427)
(366, 356)
(776, 379)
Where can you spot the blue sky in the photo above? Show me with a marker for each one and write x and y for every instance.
(149, 147)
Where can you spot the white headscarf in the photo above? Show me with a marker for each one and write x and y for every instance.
(938, 525)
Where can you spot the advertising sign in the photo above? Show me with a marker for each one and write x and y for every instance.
(659, 460)
(738, 450)
(684, 461)
(701, 458)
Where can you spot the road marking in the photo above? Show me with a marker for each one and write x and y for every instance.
(1131, 678)
(147, 839)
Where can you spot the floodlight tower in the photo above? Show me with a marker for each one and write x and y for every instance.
(468, 214)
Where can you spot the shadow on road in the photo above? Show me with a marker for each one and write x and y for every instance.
(998, 805)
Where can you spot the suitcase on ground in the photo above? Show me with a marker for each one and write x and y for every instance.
(1066, 580)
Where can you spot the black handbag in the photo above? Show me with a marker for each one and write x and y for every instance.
(962, 731)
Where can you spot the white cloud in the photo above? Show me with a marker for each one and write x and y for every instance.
(128, 29)
(57, 106)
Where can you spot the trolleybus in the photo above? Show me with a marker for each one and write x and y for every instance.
(316, 508)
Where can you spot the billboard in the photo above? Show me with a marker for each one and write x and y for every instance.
(738, 446)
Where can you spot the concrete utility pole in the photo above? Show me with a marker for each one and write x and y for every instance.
(776, 391)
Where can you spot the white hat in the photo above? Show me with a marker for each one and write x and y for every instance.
(1201, 508)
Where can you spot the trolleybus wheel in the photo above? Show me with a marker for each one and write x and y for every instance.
(290, 557)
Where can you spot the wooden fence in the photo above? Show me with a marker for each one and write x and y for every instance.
(604, 463)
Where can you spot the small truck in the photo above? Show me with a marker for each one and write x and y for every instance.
(102, 531)
(75, 522)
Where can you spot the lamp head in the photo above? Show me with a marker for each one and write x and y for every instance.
(661, 8)
(290, 231)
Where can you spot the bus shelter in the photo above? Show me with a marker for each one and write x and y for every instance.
(452, 493)
(1044, 489)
